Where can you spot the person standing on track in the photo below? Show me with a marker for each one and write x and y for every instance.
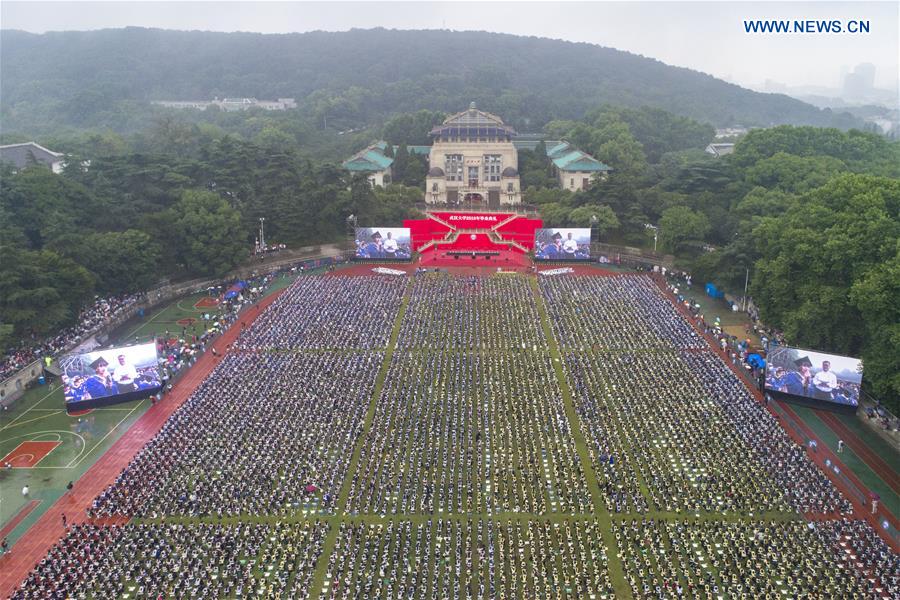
(840, 446)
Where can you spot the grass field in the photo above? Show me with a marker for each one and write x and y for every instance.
(166, 319)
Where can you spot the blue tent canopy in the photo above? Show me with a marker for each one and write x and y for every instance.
(757, 361)
(713, 292)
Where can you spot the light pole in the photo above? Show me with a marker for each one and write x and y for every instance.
(594, 221)
(262, 234)
(746, 285)
(655, 229)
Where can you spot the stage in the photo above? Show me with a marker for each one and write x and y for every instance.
(505, 259)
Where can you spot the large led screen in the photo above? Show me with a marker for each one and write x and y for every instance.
(383, 243)
(562, 244)
(109, 376)
(815, 375)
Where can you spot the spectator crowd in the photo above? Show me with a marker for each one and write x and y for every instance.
(102, 311)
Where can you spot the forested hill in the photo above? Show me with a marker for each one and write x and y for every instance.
(359, 78)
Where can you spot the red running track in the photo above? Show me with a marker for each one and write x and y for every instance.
(40, 538)
(365, 269)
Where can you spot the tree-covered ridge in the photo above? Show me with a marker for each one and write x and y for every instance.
(360, 78)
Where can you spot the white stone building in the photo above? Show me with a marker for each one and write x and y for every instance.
(473, 161)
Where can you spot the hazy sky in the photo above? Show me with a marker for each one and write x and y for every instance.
(707, 36)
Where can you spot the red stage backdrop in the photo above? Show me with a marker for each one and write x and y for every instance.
(461, 226)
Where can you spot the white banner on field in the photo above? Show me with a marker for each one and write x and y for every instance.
(559, 271)
(86, 346)
(386, 271)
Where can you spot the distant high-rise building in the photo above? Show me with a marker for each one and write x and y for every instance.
(860, 82)
(867, 72)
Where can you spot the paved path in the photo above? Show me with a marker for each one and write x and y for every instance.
(37, 541)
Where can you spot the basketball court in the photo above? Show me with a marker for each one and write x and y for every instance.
(28, 454)
(206, 302)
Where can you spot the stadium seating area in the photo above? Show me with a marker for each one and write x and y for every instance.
(449, 437)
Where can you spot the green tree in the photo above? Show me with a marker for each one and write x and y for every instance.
(877, 297)
(600, 217)
(821, 274)
(45, 206)
(680, 226)
(412, 128)
(42, 291)
(416, 169)
(616, 146)
(401, 164)
(274, 138)
(793, 174)
(555, 214)
(126, 261)
(210, 237)
(541, 196)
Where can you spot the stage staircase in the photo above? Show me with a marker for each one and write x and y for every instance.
(495, 237)
(508, 219)
(442, 222)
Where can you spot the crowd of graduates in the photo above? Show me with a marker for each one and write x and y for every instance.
(754, 559)
(471, 313)
(469, 558)
(241, 560)
(464, 433)
(265, 434)
(614, 313)
(102, 311)
(667, 412)
(321, 311)
(468, 482)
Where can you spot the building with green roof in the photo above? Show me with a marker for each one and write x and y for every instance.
(575, 169)
(372, 160)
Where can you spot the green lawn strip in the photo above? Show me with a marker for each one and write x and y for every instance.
(884, 450)
(331, 537)
(714, 307)
(616, 570)
(851, 460)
